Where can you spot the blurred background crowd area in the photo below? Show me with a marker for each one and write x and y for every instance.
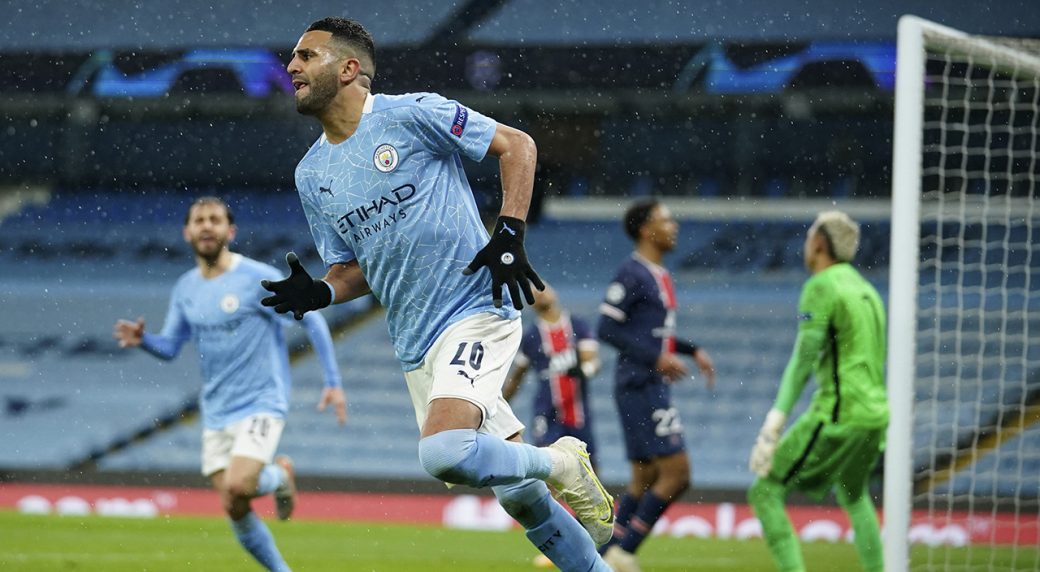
(747, 117)
(718, 99)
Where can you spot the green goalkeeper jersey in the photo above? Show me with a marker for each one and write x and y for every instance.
(841, 334)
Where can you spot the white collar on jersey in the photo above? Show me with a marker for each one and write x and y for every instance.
(652, 266)
(564, 316)
(367, 108)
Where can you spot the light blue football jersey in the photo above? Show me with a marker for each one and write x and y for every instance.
(394, 197)
(242, 349)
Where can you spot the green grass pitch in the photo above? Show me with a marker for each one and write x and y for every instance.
(53, 543)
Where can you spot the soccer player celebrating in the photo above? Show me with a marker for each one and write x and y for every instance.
(245, 368)
(391, 213)
(638, 318)
(837, 441)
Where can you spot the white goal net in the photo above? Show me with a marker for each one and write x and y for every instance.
(962, 469)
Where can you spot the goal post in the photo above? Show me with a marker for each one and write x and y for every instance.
(902, 289)
(965, 171)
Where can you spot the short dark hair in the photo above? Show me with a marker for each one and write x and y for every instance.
(209, 200)
(637, 215)
(351, 33)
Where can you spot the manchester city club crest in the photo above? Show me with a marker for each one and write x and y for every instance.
(229, 303)
(385, 158)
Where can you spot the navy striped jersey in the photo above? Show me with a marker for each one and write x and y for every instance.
(551, 350)
(637, 317)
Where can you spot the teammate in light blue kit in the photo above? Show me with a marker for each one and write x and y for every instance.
(245, 370)
(392, 214)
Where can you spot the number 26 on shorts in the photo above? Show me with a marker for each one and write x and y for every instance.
(474, 358)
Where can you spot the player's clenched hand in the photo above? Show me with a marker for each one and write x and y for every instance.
(129, 333)
(299, 293)
(506, 259)
(670, 366)
(761, 461)
(338, 400)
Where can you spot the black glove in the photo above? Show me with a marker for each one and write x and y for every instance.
(299, 293)
(505, 258)
(577, 373)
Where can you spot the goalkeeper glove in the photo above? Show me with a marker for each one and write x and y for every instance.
(761, 461)
(505, 258)
(299, 293)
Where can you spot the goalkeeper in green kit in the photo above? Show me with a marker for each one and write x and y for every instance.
(836, 442)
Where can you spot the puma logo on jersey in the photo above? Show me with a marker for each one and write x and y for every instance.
(328, 189)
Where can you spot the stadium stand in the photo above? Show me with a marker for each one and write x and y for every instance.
(381, 435)
(69, 395)
(84, 260)
(198, 23)
(670, 21)
(69, 392)
(76, 397)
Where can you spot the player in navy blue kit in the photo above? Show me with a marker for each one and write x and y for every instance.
(638, 318)
(245, 370)
(392, 213)
(564, 353)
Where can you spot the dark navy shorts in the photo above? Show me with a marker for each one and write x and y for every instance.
(545, 432)
(650, 425)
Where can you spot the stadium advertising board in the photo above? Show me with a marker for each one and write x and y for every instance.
(706, 520)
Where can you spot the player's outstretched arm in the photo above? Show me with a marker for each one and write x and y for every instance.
(337, 398)
(321, 339)
(165, 345)
(761, 461)
(504, 255)
(298, 293)
(700, 357)
(706, 365)
(129, 334)
(796, 375)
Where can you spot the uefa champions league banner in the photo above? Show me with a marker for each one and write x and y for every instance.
(703, 520)
(257, 72)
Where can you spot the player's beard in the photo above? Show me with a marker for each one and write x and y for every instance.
(211, 252)
(322, 90)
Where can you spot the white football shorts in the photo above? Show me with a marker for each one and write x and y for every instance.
(470, 361)
(255, 437)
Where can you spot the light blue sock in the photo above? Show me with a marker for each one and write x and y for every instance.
(466, 457)
(270, 477)
(550, 527)
(255, 537)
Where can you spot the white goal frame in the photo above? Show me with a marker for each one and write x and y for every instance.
(914, 36)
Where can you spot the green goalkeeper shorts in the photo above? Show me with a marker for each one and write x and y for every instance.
(813, 456)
